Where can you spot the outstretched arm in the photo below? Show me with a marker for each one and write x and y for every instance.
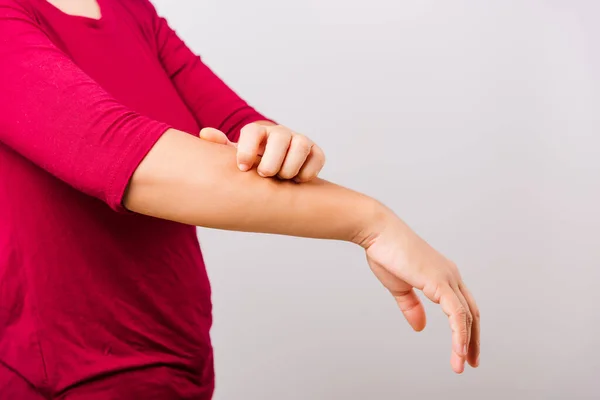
(90, 141)
(196, 182)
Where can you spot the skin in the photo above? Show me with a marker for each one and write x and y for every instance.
(229, 191)
(274, 150)
(219, 195)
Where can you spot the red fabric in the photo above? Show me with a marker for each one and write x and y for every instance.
(93, 297)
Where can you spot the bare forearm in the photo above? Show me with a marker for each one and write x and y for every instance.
(188, 180)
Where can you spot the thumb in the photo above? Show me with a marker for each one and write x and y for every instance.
(215, 136)
(412, 308)
(404, 294)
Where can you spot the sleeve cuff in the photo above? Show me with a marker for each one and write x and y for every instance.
(148, 133)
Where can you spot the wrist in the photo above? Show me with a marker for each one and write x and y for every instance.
(374, 217)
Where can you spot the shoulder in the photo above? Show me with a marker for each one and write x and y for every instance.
(20, 5)
(18, 11)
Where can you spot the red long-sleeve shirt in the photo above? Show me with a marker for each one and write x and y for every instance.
(96, 302)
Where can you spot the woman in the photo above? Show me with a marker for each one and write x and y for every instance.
(103, 290)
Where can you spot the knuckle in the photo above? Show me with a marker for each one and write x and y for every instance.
(302, 141)
(444, 278)
(319, 154)
(275, 133)
(281, 132)
(432, 292)
(250, 129)
(410, 305)
(469, 319)
(462, 313)
(244, 131)
(454, 269)
(303, 148)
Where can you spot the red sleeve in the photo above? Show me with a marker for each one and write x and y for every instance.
(56, 116)
(213, 103)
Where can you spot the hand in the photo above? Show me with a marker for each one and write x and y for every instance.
(402, 261)
(274, 150)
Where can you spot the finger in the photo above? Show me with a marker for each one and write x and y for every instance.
(457, 362)
(465, 304)
(403, 293)
(275, 152)
(249, 145)
(457, 316)
(475, 343)
(299, 150)
(214, 135)
(312, 166)
(412, 308)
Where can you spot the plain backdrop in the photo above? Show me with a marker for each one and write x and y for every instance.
(479, 123)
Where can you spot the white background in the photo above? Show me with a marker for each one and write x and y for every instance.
(478, 122)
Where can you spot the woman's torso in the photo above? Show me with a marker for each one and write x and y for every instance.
(85, 291)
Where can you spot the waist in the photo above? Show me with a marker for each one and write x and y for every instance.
(76, 306)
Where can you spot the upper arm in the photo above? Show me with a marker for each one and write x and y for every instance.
(56, 116)
(212, 101)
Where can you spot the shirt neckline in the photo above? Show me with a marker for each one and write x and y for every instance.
(93, 22)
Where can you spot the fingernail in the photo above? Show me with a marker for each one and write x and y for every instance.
(243, 167)
(477, 362)
(261, 174)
